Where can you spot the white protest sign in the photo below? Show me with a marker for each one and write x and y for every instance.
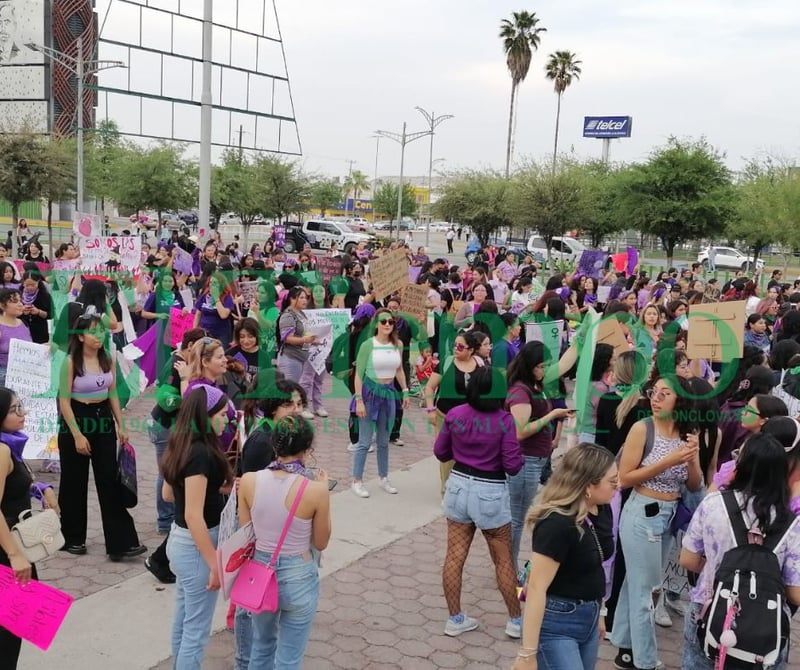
(549, 333)
(98, 250)
(85, 225)
(676, 579)
(603, 294)
(33, 373)
(327, 325)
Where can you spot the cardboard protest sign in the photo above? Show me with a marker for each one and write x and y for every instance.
(389, 273)
(98, 250)
(33, 612)
(609, 331)
(592, 263)
(179, 323)
(329, 267)
(86, 225)
(716, 331)
(249, 291)
(327, 325)
(414, 302)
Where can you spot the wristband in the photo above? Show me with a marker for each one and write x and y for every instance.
(38, 489)
(430, 409)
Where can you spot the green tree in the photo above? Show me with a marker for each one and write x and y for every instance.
(521, 36)
(356, 183)
(563, 67)
(237, 187)
(286, 189)
(683, 192)
(478, 200)
(157, 179)
(24, 168)
(600, 185)
(60, 182)
(385, 202)
(324, 194)
(103, 155)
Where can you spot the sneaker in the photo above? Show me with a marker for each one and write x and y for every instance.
(460, 623)
(354, 447)
(322, 413)
(677, 605)
(306, 414)
(661, 616)
(398, 442)
(514, 627)
(161, 572)
(359, 489)
(386, 485)
(624, 660)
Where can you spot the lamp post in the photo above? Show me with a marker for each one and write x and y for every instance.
(433, 123)
(375, 179)
(81, 68)
(204, 176)
(402, 139)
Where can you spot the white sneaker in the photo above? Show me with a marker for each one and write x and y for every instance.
(454, 629)
(386, 485)
(661, 616)
(398, 442)
(359, 489)
(322, 413)
(306, 414)
(354, 447)
(514, 628)
(678, 606)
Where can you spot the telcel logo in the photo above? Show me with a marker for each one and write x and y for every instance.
(596, 124)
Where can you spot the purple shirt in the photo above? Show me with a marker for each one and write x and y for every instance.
(483, 440)
(710, 535)
(8, 333)
(210, 320)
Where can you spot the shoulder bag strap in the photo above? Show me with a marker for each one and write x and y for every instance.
(289, 519)
(740, 530)
(650, 437)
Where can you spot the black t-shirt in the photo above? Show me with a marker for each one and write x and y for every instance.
(257, 452)
(250, 358)
(580, 572)
(201, 463)
(355, 291)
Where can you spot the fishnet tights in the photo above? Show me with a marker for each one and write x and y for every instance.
(459, 540)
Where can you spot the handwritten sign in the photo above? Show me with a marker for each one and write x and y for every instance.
(414, 302)
(66, 265)
(33, 373)
(249, 291)
(98, 250)
(327, 325)
(329, 267)
(86, 225)
(33, 612)
(389, 273)
(179, 323)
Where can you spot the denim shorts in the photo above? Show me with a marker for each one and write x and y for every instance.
(482, 502)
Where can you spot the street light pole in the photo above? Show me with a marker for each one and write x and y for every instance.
(81, 68)
(433, 123)
(402, 139)
(375, 180)
(204, 181)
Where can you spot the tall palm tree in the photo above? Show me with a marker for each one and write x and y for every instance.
(520, 36)
(563, 67)
(356, 183)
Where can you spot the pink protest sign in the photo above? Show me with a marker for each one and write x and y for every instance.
(33, 612)
(179, 323)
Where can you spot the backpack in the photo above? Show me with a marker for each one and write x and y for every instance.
(745, 625)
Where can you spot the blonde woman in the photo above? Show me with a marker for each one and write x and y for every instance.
(572, 537)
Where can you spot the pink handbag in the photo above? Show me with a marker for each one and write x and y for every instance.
(256, 586)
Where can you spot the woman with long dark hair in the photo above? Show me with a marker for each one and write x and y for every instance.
(197, 476)
(760, 491)
(214, 308)
(601, 386)
(37, 306)
(90, 429)
(12, 327)
(295, 338)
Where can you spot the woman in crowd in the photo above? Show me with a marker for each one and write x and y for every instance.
(313, 380)
(357, 333)
(264, 309)
(756, 334)
(448, 389)
(16, 490)
(36, 253)
(660, 457)
(601, 386)
(12, 326)
(356, 292)
(478, 437)
(465, 315)
(37, 306)
(508, 347)
(162, 298)
(760, 490)
(196, 477)
(8, 276)
(379, 363)
(483, 349)
(649, 330)
(618, 411)
(572, 538)
(90, 430)
(534, 418)
(295, 338)
(265, 498)
(246, 348)
(214, 308)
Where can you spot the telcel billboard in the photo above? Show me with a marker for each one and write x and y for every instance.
(607, 126)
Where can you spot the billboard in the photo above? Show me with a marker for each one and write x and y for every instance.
(24, 74)
(607, 126)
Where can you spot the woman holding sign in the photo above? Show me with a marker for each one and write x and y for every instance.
(11, 325)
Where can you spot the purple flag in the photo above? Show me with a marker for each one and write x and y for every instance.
(183, 261)
(633, 260)
(592, 263)
(148, 343)
(413, 273)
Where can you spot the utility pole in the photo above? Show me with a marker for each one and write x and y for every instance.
(375, 180)
(402, 139)
(349, 174)
(204, 199)
(433, 123)
(241, 132)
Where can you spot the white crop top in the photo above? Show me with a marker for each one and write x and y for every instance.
(384, 361)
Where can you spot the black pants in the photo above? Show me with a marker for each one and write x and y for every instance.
(96, 422)
(10, 644)
(449, 246)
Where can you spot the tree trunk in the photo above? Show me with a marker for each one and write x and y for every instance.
(669, 247)
(555, 144)
(509, 144)
(245, 234)
(50, 227)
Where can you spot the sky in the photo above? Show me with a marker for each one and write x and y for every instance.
(724, 69)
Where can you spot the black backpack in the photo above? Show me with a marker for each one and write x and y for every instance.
(746, 611)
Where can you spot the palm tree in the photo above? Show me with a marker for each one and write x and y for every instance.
(356, 183)
(562, 69)
(520, 36)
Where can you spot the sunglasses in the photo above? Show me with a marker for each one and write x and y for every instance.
(748, 409)
(460, 347)
(386, 322)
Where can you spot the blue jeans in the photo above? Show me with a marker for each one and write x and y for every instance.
(569, 637)
(693, 657)
(243, 634)
(280, 638)
(365, 429)
(646, 543)
(522, 487)
(159, 436)
(194, 603)
(291, 368)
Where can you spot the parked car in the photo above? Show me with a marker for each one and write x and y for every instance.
(561, 248)
(729, 258)
(189, 217)
(230, 217)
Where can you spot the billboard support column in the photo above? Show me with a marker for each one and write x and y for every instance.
(606, 148)
(204, 199)
(79, 133)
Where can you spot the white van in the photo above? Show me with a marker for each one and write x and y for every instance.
(561, 248)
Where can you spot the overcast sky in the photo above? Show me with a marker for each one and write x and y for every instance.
(726, 69)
